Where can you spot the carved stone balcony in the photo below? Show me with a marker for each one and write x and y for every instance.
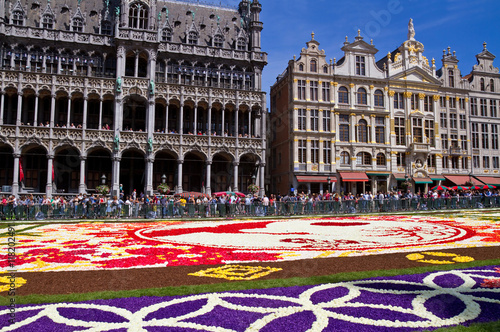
(420, 147)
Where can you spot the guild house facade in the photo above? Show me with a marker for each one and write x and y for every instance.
(362, 124)
(130, 93)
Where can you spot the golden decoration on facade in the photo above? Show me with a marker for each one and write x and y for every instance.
(391, 93)
(421, 96)
(352, 85)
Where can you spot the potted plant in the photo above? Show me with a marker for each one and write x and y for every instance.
(253, 188)
(406, 185)
(163, 188)
(470, 183)
(102, 189)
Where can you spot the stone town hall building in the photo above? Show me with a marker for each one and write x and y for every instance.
(361, 124)
(131, 92)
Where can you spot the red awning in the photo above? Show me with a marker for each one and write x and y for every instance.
(315, 178)
(459, 180)
(489, 180)
(399, 176)
(354, 176)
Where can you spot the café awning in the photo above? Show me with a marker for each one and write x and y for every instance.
(399, 176)
(315, 178)
(422, 180)
(459, 180)
(354, 176)
(489, 180)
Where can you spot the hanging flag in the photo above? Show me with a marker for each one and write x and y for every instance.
(52, 180)
(21, 172)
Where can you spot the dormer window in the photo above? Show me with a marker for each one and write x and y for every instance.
(138, 16)
(17, 17)
(107, 28)
(218, 41)
(325, 69)
(301, 67)
(77, 24)
(451, 78)
(313, 66)
(492, 85)
(360, 65)
(166, 35)
(481, 85)
(192, 38)
(47, 21)
(241, 44)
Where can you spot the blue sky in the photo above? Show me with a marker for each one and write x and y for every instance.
(462, 25)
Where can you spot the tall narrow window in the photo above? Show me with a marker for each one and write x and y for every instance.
(444, 141)
(314, 90)
(463, 142)
(495, 162)
(362, 131)
(429, 132)
(301, 119)
(380, 130)
(414, 101)
(451, 78)
(343, 95)
(492, 85)
(481, 84)
(344, 128)
(326, 121)
(483, 106)
(379, 98)
(362, 99)
(314, 66)
(327, 153)
(485, 140)
(400, 159)
(494, 137)
(301, 89)
(428, 104)
(443, 120)
(360, 65)
(399, 128)
(381, 159)
(493, 108)
(399, 102)
(475, 135)
(417, 130)
(486, 162)
(453, 120)
(473, 106)
(463, 121)
(302, 151)
(314, 120)
(325, 91)
(315, 151)
(475, 161)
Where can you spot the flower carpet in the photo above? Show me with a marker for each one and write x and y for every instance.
(121, 276)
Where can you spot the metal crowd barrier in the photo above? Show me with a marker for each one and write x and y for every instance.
(207, 210)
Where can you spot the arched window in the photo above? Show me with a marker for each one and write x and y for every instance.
(492, 85)
(362, 131)
(107, 28)
(363, 158)
(362, 100)
(47, 21)
(325, 69)
(314, 66)
(17, 17)
(481, 84)
(77, 24)
(345, 158)
(301, 67)
(166, 35)
(343, 95)
(241, 45)
(192, 38)
(218, 41)
(138, 16)
(451, 78)
(379, 98)
(381, 159)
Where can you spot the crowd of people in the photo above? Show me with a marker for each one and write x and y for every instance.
(164, 206)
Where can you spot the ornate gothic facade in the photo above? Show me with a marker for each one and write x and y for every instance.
(130, 92)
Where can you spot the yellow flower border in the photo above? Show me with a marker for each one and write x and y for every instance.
(236, 272)
(419, 257)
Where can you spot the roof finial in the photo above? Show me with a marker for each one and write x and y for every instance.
(433, 61)
(411, 30)
(359, 33)
(454, 53)
(371, 41)
(346, 39)
(484, 46)
(449, 50)
(312, 35)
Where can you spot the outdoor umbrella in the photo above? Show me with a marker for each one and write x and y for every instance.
(230, 193)
(460, 188)
(486, 186)
(440, 188)
(194, 194)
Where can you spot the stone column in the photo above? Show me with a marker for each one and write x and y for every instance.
(181, 118)
(250, 123)
(2, 106)
(100, 114)
(195, 111)
(136, 69)
(262, 177)
(69, 112)
(235, 172)
(208, 187)
(48, 187)
(308, 119)
(371, 129)
(236, 120)
(52, 110)
(82, 188)
(352, 128)
(85, 105)
(179, 175)
(352, 95)
(15, 178)
(115, 176)
(149, 175)
(19, 107)
(308, 155)
(223, 120)
(166, 119)
(35, 115)
(209, 131)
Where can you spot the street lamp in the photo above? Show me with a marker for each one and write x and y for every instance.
(163, 178)
(103, 179)
(253, 178)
